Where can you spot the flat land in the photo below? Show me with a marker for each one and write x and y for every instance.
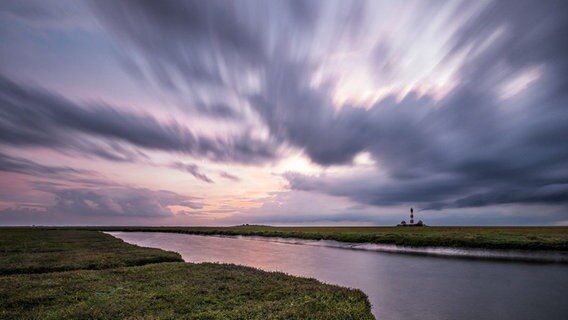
(38, 251)
(527, 238)
(105, 278)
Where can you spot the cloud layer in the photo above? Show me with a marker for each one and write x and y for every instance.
(456, 104)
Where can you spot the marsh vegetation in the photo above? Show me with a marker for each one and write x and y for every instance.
(83, 274)
(528, 238)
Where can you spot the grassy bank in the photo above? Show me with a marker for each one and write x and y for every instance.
(37, 251)
(176, 291)
(173, 290)
(528, 238)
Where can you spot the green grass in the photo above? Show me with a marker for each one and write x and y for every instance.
(37, 251)
(528, 238)
(176, 291)
(36, 288)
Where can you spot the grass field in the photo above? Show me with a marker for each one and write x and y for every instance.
(37, 251)
(529, 238)
(168, 290)
(176, 291)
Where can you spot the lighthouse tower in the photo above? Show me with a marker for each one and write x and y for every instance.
(411, 216)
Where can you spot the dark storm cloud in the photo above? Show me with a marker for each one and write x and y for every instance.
(218, 111)
(547, 194)
(175, 36)
(32, 117)
(375, 190)
(35, 11)
(532, 33)
(184, 38)
(488, 149)
(300, 115)
(467, 149)
(304, 12)
(473, 147)
(27, 10)
(304, 117)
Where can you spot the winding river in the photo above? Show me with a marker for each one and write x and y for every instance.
(399, 285)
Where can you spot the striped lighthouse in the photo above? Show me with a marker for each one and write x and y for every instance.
(411, 216)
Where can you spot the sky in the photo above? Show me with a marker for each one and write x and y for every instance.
(283, 112)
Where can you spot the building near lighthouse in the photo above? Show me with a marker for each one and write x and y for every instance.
(411, 222)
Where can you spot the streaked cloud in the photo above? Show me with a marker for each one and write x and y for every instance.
(450, 106)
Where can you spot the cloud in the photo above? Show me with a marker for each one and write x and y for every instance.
(473, 147)
(274, 72)
(430, 193)
(296, 207)
(181, 39)
(551, 194)
(72, 203)
(193, 169)
(57, 176)
(83, 192)
(58, 14)
(33, 117)
(229, 176)
(300, 207)
(120, 201)
(20, 165)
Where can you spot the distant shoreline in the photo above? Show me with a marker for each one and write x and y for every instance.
(509, 255)
(504, 238)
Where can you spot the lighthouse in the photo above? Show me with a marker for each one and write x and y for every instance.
(411, 224)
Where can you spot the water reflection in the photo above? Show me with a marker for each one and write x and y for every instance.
(501, 255)
(399, 286)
